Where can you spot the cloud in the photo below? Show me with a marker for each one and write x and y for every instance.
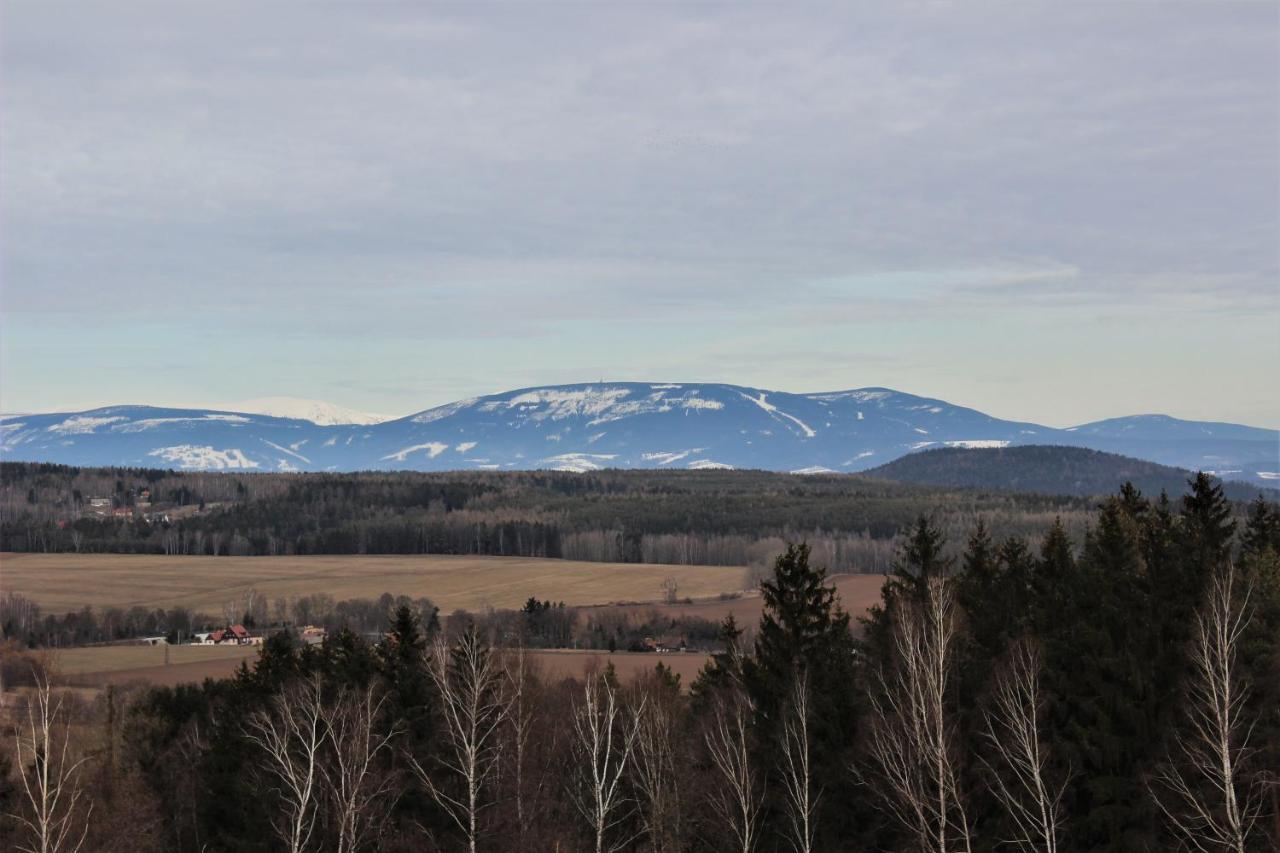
(539, 180)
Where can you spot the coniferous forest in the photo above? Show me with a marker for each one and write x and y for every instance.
(1015, 692)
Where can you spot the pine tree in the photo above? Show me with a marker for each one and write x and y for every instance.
(1262, 530)
(1207, 527)
(805, 633)
(920, 558)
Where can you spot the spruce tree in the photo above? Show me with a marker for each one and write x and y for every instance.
(1262, 530)
(804, 631)
(1207, 527)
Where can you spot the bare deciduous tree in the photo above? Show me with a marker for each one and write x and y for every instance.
(604, 745)
(469, 682)
(523, 720)
(356, 789)
(797, 777)
(291, 734)
(52, 790)
(657, 778)
(1203, 791)
(912, 750)
(1021, 782)
(736, 800)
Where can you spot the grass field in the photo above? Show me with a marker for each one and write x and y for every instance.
(99, 660)
(856, 593)
(102, 665)
(64, 582)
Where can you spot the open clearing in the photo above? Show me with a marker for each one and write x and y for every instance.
(856, 593)
(64, 582)
(102, 665)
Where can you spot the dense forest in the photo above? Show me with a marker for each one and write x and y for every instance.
(1025, 692)
(680, 517)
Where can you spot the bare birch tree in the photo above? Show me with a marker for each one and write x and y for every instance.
(912, 750)
(522, 718)
(604, 741)
(1203, 791)
(797, 777)
(1012, 728)
(736, 799)
(291, 734)
(54, 820)
(469, 683)
(357, 791)
(656, 776)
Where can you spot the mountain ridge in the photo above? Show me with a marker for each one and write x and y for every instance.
(1046, 469)
(590, 426)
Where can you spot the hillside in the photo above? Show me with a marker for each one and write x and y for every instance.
(591, 427)
(1043, 469)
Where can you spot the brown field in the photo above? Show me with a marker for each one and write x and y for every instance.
(103, 665)
(856, 594)
(100, 660)
(64, 582)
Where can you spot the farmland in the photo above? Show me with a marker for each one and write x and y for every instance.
(64, 582)
(103, 665)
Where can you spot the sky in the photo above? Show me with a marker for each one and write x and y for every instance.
(1055, 212)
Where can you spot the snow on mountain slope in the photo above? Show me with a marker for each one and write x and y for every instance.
(588, 427)
(317, 411)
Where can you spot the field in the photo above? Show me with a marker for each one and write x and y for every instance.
(856, 594)
(60, 583)
(103, 665)
(63, 582)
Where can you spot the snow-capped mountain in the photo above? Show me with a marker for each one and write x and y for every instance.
(615, 425)
(316, 411)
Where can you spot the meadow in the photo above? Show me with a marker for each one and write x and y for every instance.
(60, 583)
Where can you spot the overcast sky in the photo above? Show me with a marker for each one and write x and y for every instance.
(1055, 213)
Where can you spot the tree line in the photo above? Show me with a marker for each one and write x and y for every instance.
(1115, 696)
(678, 517)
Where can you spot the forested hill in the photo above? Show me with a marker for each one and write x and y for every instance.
(1045, 469)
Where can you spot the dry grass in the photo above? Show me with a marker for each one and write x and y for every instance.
(108, 659)
(64, 582)
(103, 665)
(856, 593)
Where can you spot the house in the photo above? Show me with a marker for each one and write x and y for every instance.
(235, 635)
(122, 513)
(99, 502)
(151, 641)
(312, 635)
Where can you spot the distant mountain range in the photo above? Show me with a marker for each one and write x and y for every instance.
(616, 425)
(1046, 469)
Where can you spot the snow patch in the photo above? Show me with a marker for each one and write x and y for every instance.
(1269, 475)
(83, 424)
(708, 465)
(465, 446)
(442, 412)
(152, 423)
(433, 448)
(203, 457)
(666, 457)
(977, 442)
(773, 410)
(813, 469)
(578, 463)
(292, 453)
